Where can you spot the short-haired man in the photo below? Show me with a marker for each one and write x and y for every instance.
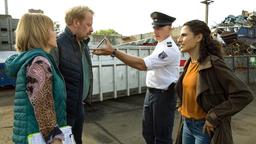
(162, 67)
(75, 64)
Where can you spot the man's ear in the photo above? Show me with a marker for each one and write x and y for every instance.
(170, 27)
(76, 22)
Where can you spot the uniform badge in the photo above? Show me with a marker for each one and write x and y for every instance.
(162, 55)
(169, 44)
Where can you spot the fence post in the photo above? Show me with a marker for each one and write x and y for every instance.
(233, 62)
(248, 69)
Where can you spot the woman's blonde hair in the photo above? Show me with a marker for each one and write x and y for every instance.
(77, 12)
(33, 31)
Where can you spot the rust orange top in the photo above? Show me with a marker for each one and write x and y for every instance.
(189, 107)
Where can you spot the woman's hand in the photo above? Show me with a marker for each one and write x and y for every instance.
(56, 141)
(208, 127)
(178, 109)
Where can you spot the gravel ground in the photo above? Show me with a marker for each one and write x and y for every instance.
(243, 123)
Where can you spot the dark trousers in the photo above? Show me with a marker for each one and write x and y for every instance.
(158, 116)
(76, 122)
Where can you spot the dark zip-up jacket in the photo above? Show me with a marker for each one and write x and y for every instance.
(69, 59)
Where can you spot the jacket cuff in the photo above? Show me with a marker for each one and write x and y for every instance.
(56, 133)
(212, 118)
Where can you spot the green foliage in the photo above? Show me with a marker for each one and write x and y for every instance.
(56, 26)
(106, 32)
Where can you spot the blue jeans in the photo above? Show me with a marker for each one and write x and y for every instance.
(193, 132)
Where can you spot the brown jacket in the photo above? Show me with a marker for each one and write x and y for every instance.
(221, 94)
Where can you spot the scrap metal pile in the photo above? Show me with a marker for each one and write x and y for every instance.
(238, 47)
(238, 34)
(246, 19)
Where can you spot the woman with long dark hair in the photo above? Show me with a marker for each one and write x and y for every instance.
(210, 93)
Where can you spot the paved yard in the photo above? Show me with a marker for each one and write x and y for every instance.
(119, 121)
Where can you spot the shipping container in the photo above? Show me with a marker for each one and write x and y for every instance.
(5, 43)
(5, 20)
(113, 79)
(4, 31)
(249, 32)
(4, 79)
(7, 32)
(6, 47)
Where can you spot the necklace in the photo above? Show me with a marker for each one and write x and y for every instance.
(194, 61)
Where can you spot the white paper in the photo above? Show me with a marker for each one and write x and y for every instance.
(37, 138)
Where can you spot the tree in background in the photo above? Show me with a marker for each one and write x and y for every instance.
(56, 27)
(106, 32)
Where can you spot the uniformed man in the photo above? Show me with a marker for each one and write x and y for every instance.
(162, 68)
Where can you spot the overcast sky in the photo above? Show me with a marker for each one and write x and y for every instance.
(130, 17)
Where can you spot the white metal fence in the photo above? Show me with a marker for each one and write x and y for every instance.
(113, 79)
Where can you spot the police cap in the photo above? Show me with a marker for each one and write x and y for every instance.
(161, 19)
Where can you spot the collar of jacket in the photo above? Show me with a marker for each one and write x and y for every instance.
(73, 36)
(207, 63)
(201, 83)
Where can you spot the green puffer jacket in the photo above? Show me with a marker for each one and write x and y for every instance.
(25, 121)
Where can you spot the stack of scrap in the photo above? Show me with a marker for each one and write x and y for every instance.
(228, 37)
(239, 48)
(252, 19)
(237, 33)
(246, 19)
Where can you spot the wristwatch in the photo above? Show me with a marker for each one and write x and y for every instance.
(113, 53)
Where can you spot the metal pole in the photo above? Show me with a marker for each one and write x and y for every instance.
(206, 13)
(206, 2)
(6, 7)
(248, 69)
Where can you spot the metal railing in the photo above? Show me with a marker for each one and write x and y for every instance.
(243, 66)
(113, 79)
